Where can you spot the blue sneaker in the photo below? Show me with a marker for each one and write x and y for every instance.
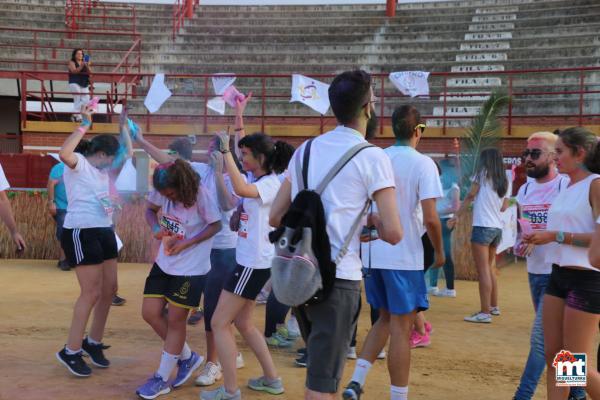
(185, 368)
(153, 388)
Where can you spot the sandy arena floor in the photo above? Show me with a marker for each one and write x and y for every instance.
(465, 361)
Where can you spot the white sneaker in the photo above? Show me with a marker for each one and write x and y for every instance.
(352, 353)
(432, 290)
(381, 355)
(292, 327)
(239, 361)
(210, 374)
(495, 311)
(445, 293)
(479, 317)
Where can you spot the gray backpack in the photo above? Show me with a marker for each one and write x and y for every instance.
(302, 271)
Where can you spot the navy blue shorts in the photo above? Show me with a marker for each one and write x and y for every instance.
(398, 292)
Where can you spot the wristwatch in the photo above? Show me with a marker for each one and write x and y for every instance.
(560, 237)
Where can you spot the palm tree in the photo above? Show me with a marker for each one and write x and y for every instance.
(484, 132)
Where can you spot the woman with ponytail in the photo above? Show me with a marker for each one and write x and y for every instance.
(260, 158)
(190, 218)
(89, 242)
(571, 309)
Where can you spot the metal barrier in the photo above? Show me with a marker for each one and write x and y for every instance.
(182, 9)
(45, 45)
(99, 16)
(574, 92)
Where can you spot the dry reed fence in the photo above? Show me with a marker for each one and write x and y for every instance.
(38, 229)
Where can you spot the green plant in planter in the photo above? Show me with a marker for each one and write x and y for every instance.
(484, 132)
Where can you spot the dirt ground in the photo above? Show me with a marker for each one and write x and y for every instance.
(465, 361)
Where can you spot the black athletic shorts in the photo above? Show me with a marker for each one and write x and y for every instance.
(247, 282)
(89, 246)
(580, 288)
(182, 291)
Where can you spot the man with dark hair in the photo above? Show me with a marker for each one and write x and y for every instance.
(396, 283)
(181, 148)
(327, 326)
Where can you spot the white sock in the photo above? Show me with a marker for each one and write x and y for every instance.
(360, 371)
(71, 352)
(186, 352)
(398, 392)
(167, 365)
(92, 341)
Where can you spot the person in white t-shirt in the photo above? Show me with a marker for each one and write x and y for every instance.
(6, 214)
(535, 198)
(571, 309)
(222, 256)
(488, 195)
(327, 327)
(190, 218)
(395, 285)
(89, 242)
(253, 256)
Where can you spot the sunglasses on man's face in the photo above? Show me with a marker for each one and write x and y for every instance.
(533, 153)
(421, 127)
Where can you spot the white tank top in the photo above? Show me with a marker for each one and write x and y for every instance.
(571, 212)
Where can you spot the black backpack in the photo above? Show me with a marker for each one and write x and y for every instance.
(302, 271)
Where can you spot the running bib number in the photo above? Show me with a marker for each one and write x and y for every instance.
(537, 215)
(243, 229)
(106, 203)
(173, 225)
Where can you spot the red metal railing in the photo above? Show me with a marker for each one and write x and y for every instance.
(99, 16)
(573, 93)
(182, 9)
(50, 49)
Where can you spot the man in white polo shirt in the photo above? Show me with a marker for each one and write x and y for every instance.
(328, 326)
(395, 284)
(6, 214)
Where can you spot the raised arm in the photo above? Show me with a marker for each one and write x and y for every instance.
(227, 200)
(67, 151)
(157, 154)
(240, 186)
(240, 131)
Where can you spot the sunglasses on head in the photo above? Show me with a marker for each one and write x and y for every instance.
(533, 153)
(421, 127)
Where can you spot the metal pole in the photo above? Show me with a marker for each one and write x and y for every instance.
(510, 84)
(581, 88)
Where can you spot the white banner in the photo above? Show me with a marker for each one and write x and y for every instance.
(217, 104)
(411, 83)
(158, 93)
(310, 92)
(220, 83)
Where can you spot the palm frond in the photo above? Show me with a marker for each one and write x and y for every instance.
(484, 132)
